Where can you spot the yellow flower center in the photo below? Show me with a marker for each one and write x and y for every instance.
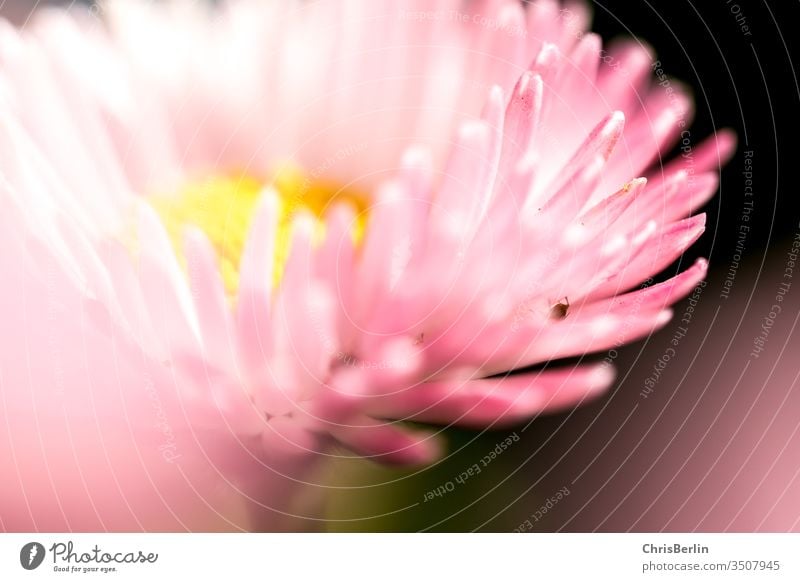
(222, 207)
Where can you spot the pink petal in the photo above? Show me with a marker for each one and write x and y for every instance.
(494, 402)
(255, 284)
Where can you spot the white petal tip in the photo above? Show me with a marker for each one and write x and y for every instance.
(601, 378)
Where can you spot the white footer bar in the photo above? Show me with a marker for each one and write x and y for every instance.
(401, 557)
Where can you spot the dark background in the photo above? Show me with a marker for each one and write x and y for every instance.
(748, 83)
(716, 446)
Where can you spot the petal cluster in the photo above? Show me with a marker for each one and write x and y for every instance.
(518, 207)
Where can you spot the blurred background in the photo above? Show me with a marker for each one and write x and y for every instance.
(702, 429)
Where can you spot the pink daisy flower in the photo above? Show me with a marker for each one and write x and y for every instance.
(232, 237)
